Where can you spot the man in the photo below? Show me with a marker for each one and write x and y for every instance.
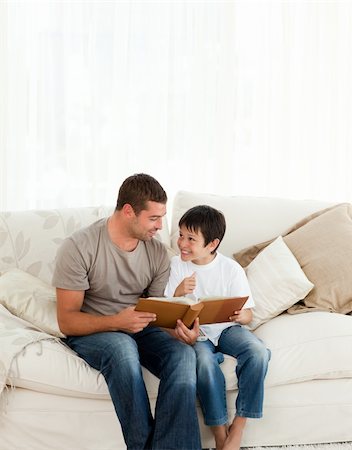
(100, 273)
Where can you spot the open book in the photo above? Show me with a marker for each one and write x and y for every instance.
(209, 309)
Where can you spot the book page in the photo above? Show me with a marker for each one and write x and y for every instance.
(181, 300)
(211, 298)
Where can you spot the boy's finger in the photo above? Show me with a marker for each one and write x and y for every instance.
(196, 325)
(181, 325)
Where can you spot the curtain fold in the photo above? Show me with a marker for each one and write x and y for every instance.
(244, 98)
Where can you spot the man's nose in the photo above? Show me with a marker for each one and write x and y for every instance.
(159, 224)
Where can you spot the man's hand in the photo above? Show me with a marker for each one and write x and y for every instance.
(74, 322)
(133, 321)
(243, 316)
(186, 335)
(187, 286)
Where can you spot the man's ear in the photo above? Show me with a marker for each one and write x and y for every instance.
(128, 211)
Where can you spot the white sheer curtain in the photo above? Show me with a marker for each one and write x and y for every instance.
(237, 97)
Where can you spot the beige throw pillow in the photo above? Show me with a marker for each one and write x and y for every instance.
(323, 248)
(246, 255)
(276, 281)
(322, 244)
(31, 299)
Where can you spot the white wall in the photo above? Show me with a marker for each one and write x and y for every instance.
(240, 97)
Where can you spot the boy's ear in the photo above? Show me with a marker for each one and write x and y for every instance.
(213, 244)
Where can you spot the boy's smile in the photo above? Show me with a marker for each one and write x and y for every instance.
(192, 248)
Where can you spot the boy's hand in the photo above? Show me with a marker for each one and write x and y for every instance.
(186, 335)
(243, 316)
(187, 286)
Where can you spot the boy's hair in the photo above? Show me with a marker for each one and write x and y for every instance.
(137, 190)
(208, 220)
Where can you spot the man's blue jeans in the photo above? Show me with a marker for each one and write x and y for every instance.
(252, 364)
(119, 356)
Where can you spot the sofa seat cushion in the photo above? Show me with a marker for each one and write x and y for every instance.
(304, 347)
(309, 346)
(51, 367)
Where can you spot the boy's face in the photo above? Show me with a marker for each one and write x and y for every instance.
(192, 248)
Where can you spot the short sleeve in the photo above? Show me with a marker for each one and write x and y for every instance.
(175, 277)
(158, 283)
(70, 268)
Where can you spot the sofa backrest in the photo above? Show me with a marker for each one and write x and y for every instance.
(249, 220)
(29, 239)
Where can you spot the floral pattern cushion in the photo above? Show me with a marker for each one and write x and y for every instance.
(29, 239)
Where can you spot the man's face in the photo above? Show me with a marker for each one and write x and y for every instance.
(145, 225)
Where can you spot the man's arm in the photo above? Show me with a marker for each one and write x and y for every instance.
(73, 322)
(157, 286)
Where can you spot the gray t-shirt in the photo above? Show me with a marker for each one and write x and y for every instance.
(111, 278)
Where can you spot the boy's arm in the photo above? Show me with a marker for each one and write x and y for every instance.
(186, 335)
(239, 286)
(186, 286)
(243, 316)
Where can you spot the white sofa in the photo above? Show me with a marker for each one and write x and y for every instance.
(58, 402)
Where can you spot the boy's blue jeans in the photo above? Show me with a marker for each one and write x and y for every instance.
(119, 356)
(252, 364)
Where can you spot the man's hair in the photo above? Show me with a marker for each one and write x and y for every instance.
(206, 219)
(137, 190)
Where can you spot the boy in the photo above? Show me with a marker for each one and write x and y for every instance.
(201, 271)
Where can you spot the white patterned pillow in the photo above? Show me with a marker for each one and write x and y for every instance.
(30, 299)
(276, 281)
